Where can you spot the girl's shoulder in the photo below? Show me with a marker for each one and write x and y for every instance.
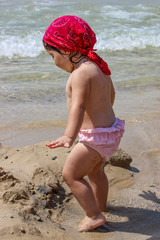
(87, 69)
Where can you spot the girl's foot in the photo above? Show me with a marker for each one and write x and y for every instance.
(91, 223)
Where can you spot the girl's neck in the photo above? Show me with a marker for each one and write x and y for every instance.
(77, 65)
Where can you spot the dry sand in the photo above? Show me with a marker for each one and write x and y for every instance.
(35, 203)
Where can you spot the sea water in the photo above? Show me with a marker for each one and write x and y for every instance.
(32, 88)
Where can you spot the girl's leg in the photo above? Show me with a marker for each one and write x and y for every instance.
(78, 164)
(99, 184)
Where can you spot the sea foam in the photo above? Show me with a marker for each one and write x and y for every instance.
(128, 40)
(20, 46)
(31, 45)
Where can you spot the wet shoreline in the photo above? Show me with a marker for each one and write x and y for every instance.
(138, 104)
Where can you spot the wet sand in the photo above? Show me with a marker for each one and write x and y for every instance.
(35, 203)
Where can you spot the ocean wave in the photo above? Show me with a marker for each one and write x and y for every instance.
(31, 45)
(21, 46)
(128, 40)
(118, 28)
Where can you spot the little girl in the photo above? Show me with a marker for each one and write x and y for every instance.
(90, 96)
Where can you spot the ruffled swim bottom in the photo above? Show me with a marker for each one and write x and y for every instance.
(104, 140)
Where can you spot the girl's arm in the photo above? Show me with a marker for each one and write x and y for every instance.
(80, 87)
(112, 93)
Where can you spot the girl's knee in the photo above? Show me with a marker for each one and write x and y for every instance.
(67, 177)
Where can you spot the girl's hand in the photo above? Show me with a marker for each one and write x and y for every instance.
(60, 142)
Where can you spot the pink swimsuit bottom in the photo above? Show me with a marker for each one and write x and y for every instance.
(104, 140)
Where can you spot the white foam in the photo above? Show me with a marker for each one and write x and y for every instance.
(110, 40)
(28, 46)
(135, 38)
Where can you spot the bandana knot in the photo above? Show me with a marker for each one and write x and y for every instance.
(91, 54)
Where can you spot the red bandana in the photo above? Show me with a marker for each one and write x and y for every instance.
(71, 33)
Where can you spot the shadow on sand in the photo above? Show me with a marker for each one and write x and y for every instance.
(140, 220)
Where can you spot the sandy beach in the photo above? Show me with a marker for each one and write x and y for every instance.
(35, 203)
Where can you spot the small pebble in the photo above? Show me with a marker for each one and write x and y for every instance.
(61, 227)
(54, 158)
(23, 230)
(38, 218)
(5, 157)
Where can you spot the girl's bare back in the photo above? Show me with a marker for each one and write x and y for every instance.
(98, 110)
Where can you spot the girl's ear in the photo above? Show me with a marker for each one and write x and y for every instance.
(65, 52)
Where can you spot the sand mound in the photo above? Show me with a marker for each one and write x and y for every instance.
(42, 198)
